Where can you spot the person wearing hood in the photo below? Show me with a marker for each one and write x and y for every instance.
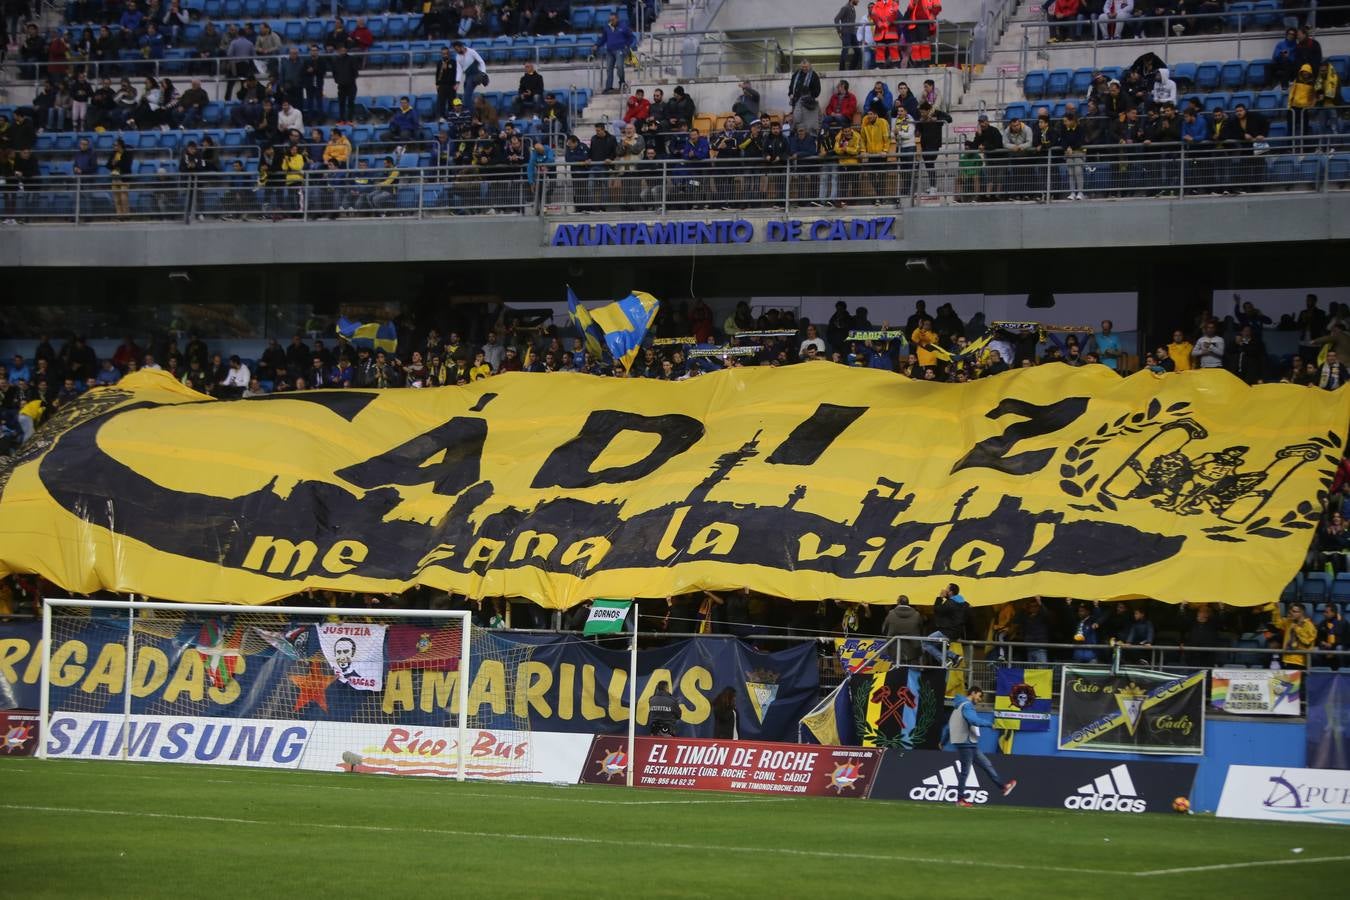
(1164, 89)
(904, 97)
(1302, 97)
(904, 621)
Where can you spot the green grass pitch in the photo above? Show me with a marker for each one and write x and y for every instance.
(95, 829)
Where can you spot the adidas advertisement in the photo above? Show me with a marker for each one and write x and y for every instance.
(1132, 711)
(1084, 785)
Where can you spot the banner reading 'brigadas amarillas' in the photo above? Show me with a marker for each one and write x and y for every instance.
(809, 482)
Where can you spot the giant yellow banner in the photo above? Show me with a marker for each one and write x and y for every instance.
(808, 482)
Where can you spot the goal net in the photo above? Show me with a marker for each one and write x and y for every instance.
(401, 692)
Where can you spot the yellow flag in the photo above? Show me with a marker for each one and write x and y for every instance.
(1054, 480)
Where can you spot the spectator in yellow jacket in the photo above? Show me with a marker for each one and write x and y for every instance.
(923, 337)
(848, 152)
(1298, 635)
(876, 146)
(338, 149)
(1302, 97)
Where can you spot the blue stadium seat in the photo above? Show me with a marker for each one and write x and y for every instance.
(104, 140)
(255, 9)
(1258, 73)
(272, 8)
(565, 48)
(293, 32)
(583, 98)
(1267, 12)
(1018, 110)
(212, 8)
(398, 27)
(1241, 97)
(1269, 100)
(1207, 76)
(295, 9)
(426, 106)
(1310, 170)
(1081, 82)
(1316, 585)
(1279, 128)
(1059, 82)
(1244, 21)
(1233, 74)
(1338, 171)
(1340, 589)
(543, 47)
(232, 9)
(583, 18)
(1341, 64)
(1059, 109)
(1184, 74)
(1112, 72)
(1215, 101)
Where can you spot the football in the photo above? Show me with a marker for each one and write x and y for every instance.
(1181, 805)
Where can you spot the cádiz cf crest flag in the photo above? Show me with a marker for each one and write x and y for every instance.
(803, 482)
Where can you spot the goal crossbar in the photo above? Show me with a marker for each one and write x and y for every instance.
(48, 604)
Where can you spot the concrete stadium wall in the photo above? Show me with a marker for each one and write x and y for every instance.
(1276, 218)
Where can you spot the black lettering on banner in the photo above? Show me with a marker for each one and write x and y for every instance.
(814, 436)
(347, 404)
(568, 467)
(462, 441)
(991, 453)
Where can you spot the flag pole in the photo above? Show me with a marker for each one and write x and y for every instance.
(632, 693)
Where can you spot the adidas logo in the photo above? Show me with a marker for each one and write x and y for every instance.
(1112, 792)
(944, 786)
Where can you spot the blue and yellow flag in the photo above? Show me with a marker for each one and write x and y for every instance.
(831, 723)
(581, 317)
(861, 655)
(624, 324)
(1023, 701)
(371, 336)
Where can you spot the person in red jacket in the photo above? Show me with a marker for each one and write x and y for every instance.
(919, 32)
(1065, 11)
(362, 40)
(638, 109)
(886, 30)
(842, 108)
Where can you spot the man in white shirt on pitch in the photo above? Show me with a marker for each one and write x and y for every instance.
(236, 379)
(1208, 350)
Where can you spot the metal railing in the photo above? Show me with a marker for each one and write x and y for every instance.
(1161, 31)
(684, 188)
(216, 71)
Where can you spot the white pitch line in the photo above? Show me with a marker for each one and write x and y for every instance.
(475, 794)
(1220, 867)
(572, 839)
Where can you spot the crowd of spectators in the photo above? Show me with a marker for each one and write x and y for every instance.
(689, 342)
(1020, 632)
(1078, 20)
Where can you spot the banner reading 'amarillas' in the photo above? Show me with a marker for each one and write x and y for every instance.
(810, 482)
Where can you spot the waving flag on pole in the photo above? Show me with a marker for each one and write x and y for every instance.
(622, 325)
(371, 336)
(581, 316)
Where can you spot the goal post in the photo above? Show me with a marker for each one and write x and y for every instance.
(376, 690)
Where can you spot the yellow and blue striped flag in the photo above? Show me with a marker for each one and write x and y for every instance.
(370, 336)
(581, 317)
(625, 324)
